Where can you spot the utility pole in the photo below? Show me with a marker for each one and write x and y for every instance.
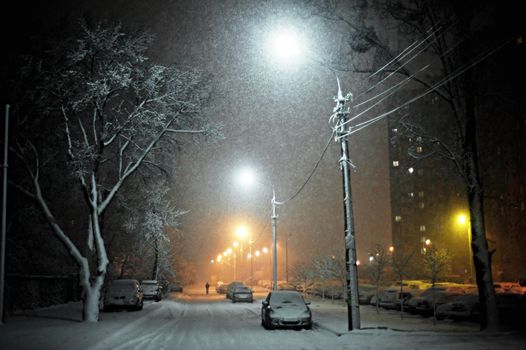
(274, 219)
(4, 216)
(341, 113)
(287, 258)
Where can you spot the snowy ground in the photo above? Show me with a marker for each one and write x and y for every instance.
(196, 321)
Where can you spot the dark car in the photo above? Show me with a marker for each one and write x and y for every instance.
(242, 293)
(125, 293)
(287, 309)
(230, 288)
(151, 290)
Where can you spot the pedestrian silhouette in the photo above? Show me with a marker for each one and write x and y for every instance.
(207, 286)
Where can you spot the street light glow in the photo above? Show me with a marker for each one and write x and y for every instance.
(286, 46)
(242, 232)
(264, 250)
(462, 219)
(246, 177)
(257, 253)
(235, 244)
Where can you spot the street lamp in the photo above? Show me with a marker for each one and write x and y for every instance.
(247, 177)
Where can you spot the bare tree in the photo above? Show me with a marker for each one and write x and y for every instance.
(116, 106)
(436, 262)
(378, 263)
(400, 264)
(303, 275)
(153, 221)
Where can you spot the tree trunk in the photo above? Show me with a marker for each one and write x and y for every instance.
(479, 245)
(482, 260)
(90, 307)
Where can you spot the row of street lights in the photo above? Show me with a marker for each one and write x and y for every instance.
(231, 252)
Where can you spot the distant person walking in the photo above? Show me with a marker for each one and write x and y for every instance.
(207, 286)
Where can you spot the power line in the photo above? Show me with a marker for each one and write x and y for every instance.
(445, 80)
(311, 173)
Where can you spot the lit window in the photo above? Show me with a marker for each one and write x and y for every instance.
(410, 170)
(422, 228)
(398, 218)
(421, 194)
(419, 149)
(411, 194)
(421, 205)
(395, 163)
(394, 130)
(419, 139)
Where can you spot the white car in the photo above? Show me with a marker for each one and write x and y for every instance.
(125, 293)
(151, 290)
(284, 308)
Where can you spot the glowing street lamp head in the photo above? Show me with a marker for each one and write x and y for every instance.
(229, 251)
(242, 232)
(235, 244)
(286, 46)
(264, 250)
(462, 219)
(257, 253)
(246, 177)
(428, 241)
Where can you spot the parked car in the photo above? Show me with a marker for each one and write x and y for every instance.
(242, 293)
(219, 286)
(511, 307)
(176, 288)
(365, 293)
(392, 298)
(230, 288)
(432, 297)
(460, 307)
(285, 308)
(505, 287)
(151, 290)
(125, 293)
(222, 289)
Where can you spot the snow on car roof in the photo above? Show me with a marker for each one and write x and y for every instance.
(285, 296)
(125, 281)
(148, 282)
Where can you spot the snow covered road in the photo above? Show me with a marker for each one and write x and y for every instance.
(193, 321)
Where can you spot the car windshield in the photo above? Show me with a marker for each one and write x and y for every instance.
(242, 290)
(286, 298)
(122, 285)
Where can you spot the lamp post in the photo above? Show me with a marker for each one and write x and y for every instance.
(248, 178)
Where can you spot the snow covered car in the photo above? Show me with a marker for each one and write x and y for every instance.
(230, 288)
(242, 293)
(460, 307)
(288, 309)
(425, 303)
(125, 293)
(151, 290)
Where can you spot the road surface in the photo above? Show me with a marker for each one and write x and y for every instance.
(193, 320)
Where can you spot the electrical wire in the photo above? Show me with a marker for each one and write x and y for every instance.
(300, 189)
(445, 80)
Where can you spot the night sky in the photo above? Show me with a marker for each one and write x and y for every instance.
(275, 121)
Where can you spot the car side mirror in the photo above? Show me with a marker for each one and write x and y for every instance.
(264, 302)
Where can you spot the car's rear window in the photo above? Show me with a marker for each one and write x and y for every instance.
(286, 298)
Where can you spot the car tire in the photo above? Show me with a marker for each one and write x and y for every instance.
(308, 327)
